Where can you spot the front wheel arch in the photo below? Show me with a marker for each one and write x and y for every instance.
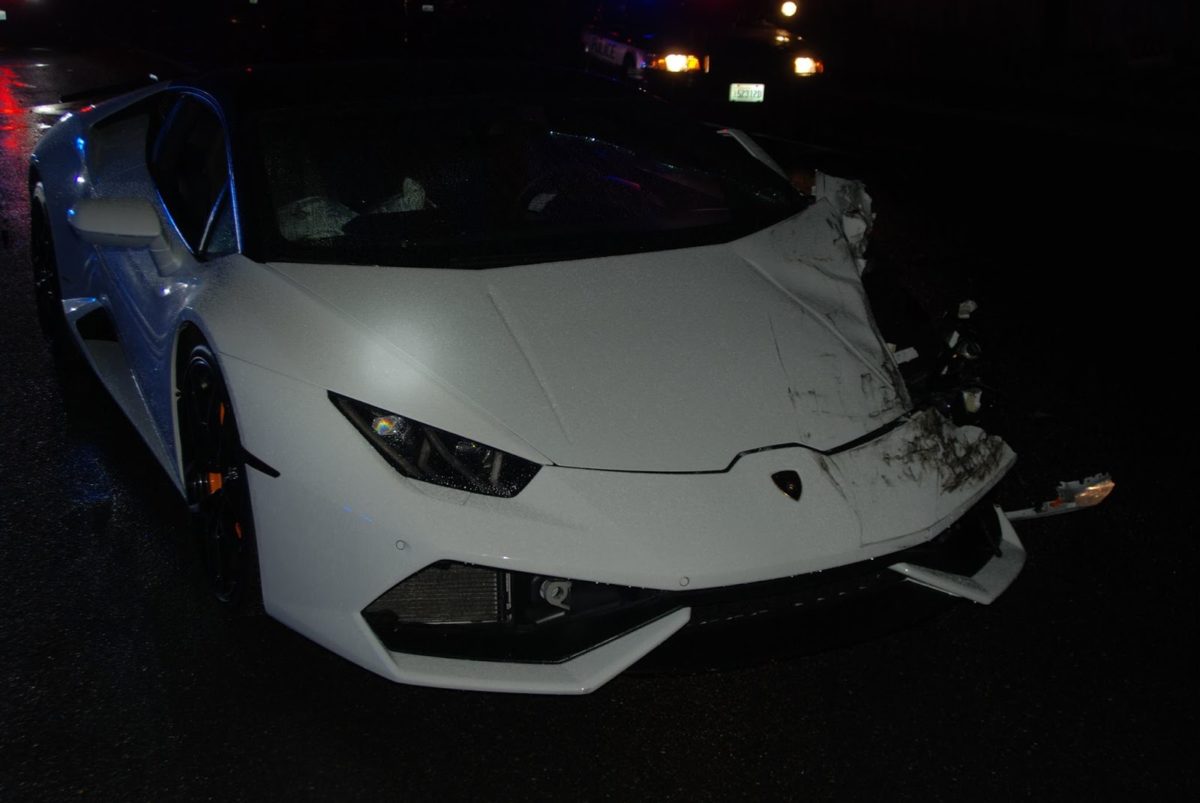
(213, 473)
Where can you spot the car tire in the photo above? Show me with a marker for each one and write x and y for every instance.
(47, 289)
(215, 481)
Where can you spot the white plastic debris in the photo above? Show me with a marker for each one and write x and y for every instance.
(541, 200)
(313, 218)
(410, 199)
(851, 199)
(1069, 497)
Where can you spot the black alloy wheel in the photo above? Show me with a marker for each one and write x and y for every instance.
(214, 474)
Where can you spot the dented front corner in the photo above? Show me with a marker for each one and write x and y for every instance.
(853, 203)
(919, 477)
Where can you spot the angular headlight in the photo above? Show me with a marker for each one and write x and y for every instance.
(429, 454)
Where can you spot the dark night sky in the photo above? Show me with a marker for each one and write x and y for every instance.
(994, 39)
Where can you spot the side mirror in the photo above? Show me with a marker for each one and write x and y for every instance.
(117, 222)
(123, 223)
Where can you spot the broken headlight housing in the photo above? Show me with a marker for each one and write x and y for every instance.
(432, 455)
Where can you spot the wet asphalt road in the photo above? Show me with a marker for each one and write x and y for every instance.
(122, 681)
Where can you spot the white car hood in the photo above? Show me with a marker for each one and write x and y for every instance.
(665, 361)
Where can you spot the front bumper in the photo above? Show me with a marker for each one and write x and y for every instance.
(977, 558)
(339, 528)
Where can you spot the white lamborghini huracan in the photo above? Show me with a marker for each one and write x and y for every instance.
(498, 378)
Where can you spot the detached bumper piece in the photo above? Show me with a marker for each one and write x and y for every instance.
(460, 611)
(963, 549)
(984, 585)
(1069, 497)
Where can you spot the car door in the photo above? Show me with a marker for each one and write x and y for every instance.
(187, 165)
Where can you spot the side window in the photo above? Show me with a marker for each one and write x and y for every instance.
(221, 237)
(112, 144)
(187, 161)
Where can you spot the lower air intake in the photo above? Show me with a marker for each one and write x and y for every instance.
(444, 594)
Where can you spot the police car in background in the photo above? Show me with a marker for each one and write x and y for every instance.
(703, 50)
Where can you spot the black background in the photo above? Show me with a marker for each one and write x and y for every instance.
(1037, 157)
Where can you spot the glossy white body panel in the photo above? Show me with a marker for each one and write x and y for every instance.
(659, 392)
(667, 361)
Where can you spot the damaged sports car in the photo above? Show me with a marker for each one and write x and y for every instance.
(499, 381)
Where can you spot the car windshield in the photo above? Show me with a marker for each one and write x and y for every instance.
(483, 181)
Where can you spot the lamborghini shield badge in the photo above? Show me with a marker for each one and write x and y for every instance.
(788, 482)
